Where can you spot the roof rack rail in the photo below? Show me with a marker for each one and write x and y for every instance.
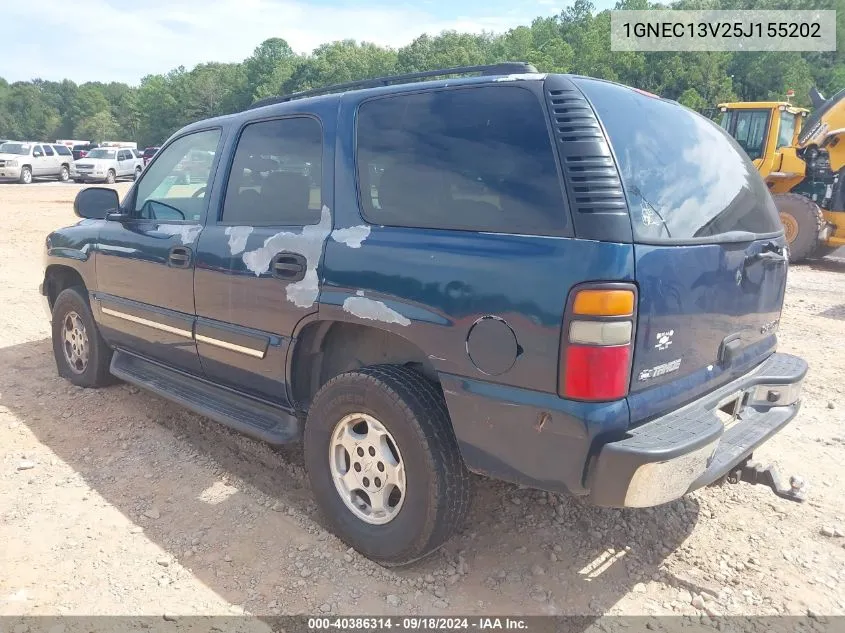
(502, 68)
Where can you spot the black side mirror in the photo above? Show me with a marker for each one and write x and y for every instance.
(96, 203)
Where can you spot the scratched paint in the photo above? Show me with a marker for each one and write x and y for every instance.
(308, 243)
(353, 237)
(365, 308)
(186, 232)
(238, 236)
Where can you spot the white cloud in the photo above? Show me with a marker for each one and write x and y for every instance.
(112, 40)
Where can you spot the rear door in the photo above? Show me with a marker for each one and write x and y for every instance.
(257, 265)
(709, 249)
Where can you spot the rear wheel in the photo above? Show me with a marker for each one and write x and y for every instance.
(64, 174)
(801, 221)
(110, 177)
(137, 173)
(26, 175)
(384, 463)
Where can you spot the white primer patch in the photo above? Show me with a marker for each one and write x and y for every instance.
(521, 77)
(309, 244)
(186, 232)
(374, 310)
(238, 236)
(353, 237)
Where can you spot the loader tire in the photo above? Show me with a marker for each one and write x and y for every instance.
(802, 221)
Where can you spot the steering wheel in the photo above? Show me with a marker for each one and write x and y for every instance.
(199, 192)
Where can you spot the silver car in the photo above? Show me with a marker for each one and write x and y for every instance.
(23, 161)
(107, 164)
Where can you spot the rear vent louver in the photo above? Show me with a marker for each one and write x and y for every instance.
(594, 190)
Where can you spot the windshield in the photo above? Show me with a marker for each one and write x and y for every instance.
(101, 153)
(15, 148)
(685, 178)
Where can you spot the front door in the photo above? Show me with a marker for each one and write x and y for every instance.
(39, 161)
(51, 161)
(256, 271)
(145, 264)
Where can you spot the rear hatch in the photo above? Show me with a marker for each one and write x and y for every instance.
(710, 255)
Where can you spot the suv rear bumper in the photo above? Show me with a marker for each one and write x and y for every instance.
(692, 447)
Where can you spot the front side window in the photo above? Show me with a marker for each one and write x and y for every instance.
(276, 174)
(477, 159)
(170, 189)
(787, 129)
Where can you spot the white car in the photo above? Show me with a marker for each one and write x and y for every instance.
(107, 164)
(23, 161)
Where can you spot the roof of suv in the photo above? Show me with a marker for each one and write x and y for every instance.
(505, 71)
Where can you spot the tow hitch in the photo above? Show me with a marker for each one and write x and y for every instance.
(755, 473)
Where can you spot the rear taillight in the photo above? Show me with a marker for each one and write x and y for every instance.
(597, 344)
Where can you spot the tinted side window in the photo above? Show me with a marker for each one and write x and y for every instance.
(49, 150)
(685, 177)
(473, 159)
(62, 150)
(276, 174)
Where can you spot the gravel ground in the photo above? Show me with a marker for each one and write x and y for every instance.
(117, 502)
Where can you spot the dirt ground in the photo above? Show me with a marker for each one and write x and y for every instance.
(116, 502)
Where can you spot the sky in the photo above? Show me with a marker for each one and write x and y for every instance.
(123, 40)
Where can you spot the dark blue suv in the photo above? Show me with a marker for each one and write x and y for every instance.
(549, 279)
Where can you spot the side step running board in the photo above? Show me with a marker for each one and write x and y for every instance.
(242, 413)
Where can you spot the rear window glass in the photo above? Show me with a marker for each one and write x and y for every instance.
(685, 178)
(468, 159)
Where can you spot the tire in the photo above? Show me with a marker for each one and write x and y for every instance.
(436, 483)
(110, 177)
(137, 173)
(70, 305)
(824, 251)
(64, 174)
(801, 219)
(26, 175)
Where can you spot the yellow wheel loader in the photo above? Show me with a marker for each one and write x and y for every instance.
(801, 156)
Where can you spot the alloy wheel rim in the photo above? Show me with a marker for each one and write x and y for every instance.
(367, 468)
(75, 342)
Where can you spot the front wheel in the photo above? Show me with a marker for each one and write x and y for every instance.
(82, 356)
(110, 177)
(384, 463)
(26, 176)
